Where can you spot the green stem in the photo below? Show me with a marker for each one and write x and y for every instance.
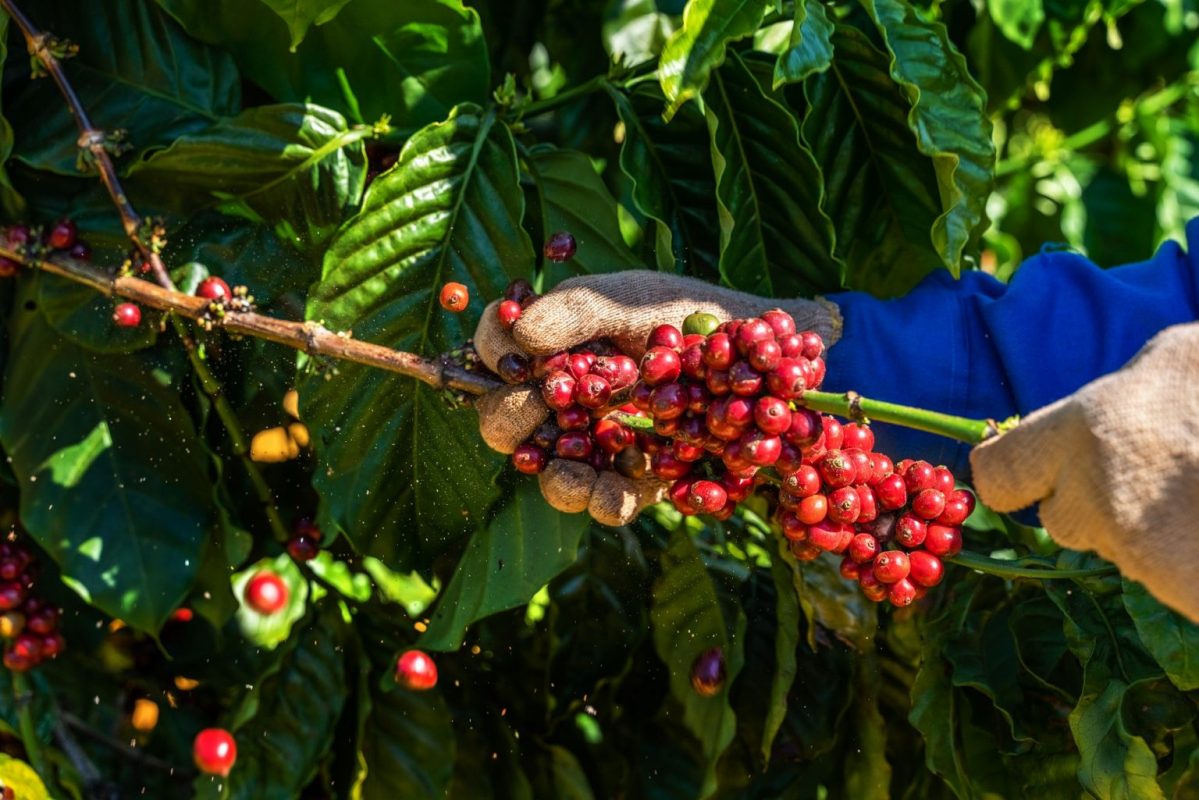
(33, 747)
(853, 406)
(1010, 569)
(563, 97)
(241, 447)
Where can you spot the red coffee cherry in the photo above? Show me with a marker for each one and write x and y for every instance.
(62, 235)
(529, 458)
(560, 247)
(416, 671)
(508, 313)
(454, 297)
(266, 593)
(891, 566)
(214, 288)
(214, 751)
(127, 315)
(303, 548)
(927, 570)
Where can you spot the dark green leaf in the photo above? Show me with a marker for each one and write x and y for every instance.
(1169, 637)
(785, 644)
(400, 472)
(11, 202)
(299, 14)
(687, 620)
(810, 49)
(698, 47)
(412, 61)
(294, 167)
(832, 602)
(1019, 20)
(136, 70)
(775, 239)
(406, 745)
(867, 773)
(1040, 643)
(114, 482)
(573, 198)
(948, 116)
(1116, 765)
(670, 167)
(880, 191)
(521, 550)
(987, 662)
(287, 721)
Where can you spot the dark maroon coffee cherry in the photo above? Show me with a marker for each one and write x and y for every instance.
(529, 458)
(520, 291)
(708, 672)
(62, 235)
(560, 247)
(514, 368)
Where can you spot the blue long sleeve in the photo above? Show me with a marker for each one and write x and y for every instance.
(978, 348)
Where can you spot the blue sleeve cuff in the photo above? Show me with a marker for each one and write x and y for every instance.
(978, 348)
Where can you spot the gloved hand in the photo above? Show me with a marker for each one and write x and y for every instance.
(1116, 468)
(623, 307)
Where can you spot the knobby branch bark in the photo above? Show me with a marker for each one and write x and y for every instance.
(310, 337)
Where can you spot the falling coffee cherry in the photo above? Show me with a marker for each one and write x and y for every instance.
(560, 247)
(454, 297)
(127, 315)
(707, 673)
(416, 671)
(214, 751)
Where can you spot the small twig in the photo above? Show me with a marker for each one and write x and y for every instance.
(90, 138)
(310, 337)
(71, 721)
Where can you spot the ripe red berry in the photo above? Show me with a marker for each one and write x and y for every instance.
(612, 436)
(943, 480)
(416, 671)
(668, 401)
(686, 451)
(780, 322)
(43, 622)
(750, 332)
(927, 570)
(858, 436)
(874, 590)
(529, 458)
(891, 493)
(789, 378)
(544, 365)
(804, 482)
(792, 346)
(558, 390)
(508, 313)
(761, 449)
(214, 751)
(708, 673)
(52, 646)
(834, 434)
(706, 497)
(943, 541)
(717, 382)
(514, 368)
(692, 362)
(12, 594)
(660, 365)
(790, 459)
(666, 466)
(266, 593)
(764, 355)
(837, 469)
(825, 534)
(574, 445)
(699, 399)
(928, 504)
(737, 487)
(214, 288)
(560, 247)
(8, 267)
(880, 468)
(772, 415)
(28, 645)
(804, 551)
(17, 662)
(919, 476)
(849, 569)
(862, 469)
(891, 566)
(863, 547)
(718, 351)
(869, 503)
(573, 418)
(901, 593)
(592, 391)
(812, 509)
(805, 429)
(744, 381)
(813, 345)
(127, 315)
(910, 531)
(844, 505)
(62, 235)
(579, 364)
(667, 336)
(303, 548)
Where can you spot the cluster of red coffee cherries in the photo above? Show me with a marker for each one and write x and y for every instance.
(892, 523)
(61, 237)
(28, 623)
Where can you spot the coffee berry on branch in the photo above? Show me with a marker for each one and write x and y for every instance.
(709, 407)
(28, 624)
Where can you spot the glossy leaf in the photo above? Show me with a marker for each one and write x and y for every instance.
(114, 483)
(287, 722)
(830, 601)
(295, 167)
(880, 191)
(670, 169)
(571, 197)
(785, 644)
(987, 661)
(412, 61)
(698, 47)
(775, 239)
(407, 745)
(21, 779)
(687, 620)
(810, 49)
(1170, 638)
(948, 116)
(1116, 765)
(156, 84)
(517, 553)
(300, 14)
(1019, 20)
(11, 202)
(400, 472)
(635, 31)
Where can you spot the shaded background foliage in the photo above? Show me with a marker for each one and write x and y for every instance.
(810, 147)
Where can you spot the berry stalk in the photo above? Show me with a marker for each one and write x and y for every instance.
(853, 406)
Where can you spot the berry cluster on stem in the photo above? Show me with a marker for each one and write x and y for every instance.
(28, 624)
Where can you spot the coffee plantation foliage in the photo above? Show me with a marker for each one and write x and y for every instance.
(783, 148)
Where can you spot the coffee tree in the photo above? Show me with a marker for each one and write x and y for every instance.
(255, 548)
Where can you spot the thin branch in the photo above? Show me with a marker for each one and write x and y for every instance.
(310, 337)
(133, 754)
(90, 138)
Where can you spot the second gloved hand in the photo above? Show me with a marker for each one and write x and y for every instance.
(622, 307)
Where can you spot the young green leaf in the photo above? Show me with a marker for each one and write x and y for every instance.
(810, 49)
(698, 47)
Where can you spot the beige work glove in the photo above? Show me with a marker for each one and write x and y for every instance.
(622, 307)
(1116, 468)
